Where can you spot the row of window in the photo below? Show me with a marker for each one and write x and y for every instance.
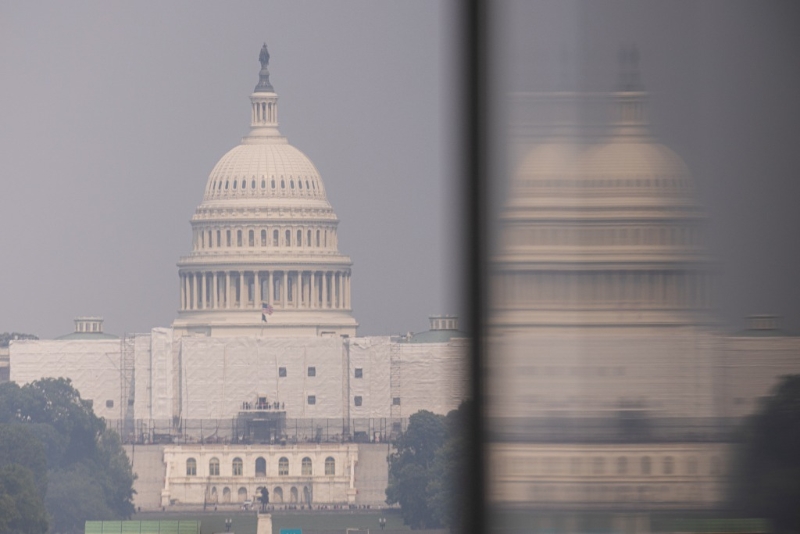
(673, 184)
(237, 467)
(592, 236)
(358, 400)
(205, 238)
(312, 371)
(311, 184)
(622, 466)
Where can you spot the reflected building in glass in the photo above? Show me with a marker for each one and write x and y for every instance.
(609, 381)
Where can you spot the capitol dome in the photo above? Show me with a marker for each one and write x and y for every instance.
(602, 231)
(265, 258)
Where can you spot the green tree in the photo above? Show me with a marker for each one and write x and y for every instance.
(18, 445)
(88, 471)
(450, 472)
(410, 469)
(21, 508)
(766, 470)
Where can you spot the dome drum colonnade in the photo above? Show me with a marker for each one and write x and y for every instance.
(223, 289)
(265, 233)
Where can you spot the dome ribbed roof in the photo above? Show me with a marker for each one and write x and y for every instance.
(271, 169)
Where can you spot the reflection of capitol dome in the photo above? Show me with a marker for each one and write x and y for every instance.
(265, 239)
(605, 233)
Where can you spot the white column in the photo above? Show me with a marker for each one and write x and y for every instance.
(298, 289)
(347, 290)
(325, 289)
(194, 291)
(339, 290)
(312, 290)
(215, 293)
(242, 295)
(227, 289)
(201, 294)
(283, 290)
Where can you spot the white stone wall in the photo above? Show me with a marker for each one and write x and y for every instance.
(92, 365)
(620, 476)
(296, 487)
(663, 372)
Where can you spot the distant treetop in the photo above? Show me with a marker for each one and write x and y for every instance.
(6, 337)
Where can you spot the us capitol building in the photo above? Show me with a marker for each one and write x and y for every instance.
(610, 385)
(261, 380)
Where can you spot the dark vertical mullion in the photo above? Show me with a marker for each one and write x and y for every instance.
(475, 127)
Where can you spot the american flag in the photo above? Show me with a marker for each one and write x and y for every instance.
(266, 309)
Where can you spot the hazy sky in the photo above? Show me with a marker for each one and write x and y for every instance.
(114, 114)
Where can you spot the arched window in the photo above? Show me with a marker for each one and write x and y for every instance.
(274, 238)
(645, 465)
(291, 184)
(213, 467)
(228, 237)
(210, 239)
(308, 240)
(263, 183)
(234, 184)
(263, 238)
(300, 184)
(317, 237)
(242, 495)
(253, 183)
(330, 466)
(191, 467)
(622, 465)
(244, 183)
(237, 467)
(306, 467)
(669, 465)
(299, 238)
(272, 183)
(288, 237)
(251, 238)
(293, 495)
(283, 184)
(226, 184)
(261, 467)
(219, 238)
(226, 495)
(277, 495)
(283, 467)
(238, 238)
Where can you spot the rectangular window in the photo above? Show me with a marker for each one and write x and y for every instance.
(312, 399)
(359, 372)
(358, 400)
(282, 372)
(396, 401)
(312, 371)
(109, 404)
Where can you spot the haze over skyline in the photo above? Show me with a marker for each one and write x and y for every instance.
(117, 114)
(114, 115)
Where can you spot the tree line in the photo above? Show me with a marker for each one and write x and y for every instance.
(59, 464)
